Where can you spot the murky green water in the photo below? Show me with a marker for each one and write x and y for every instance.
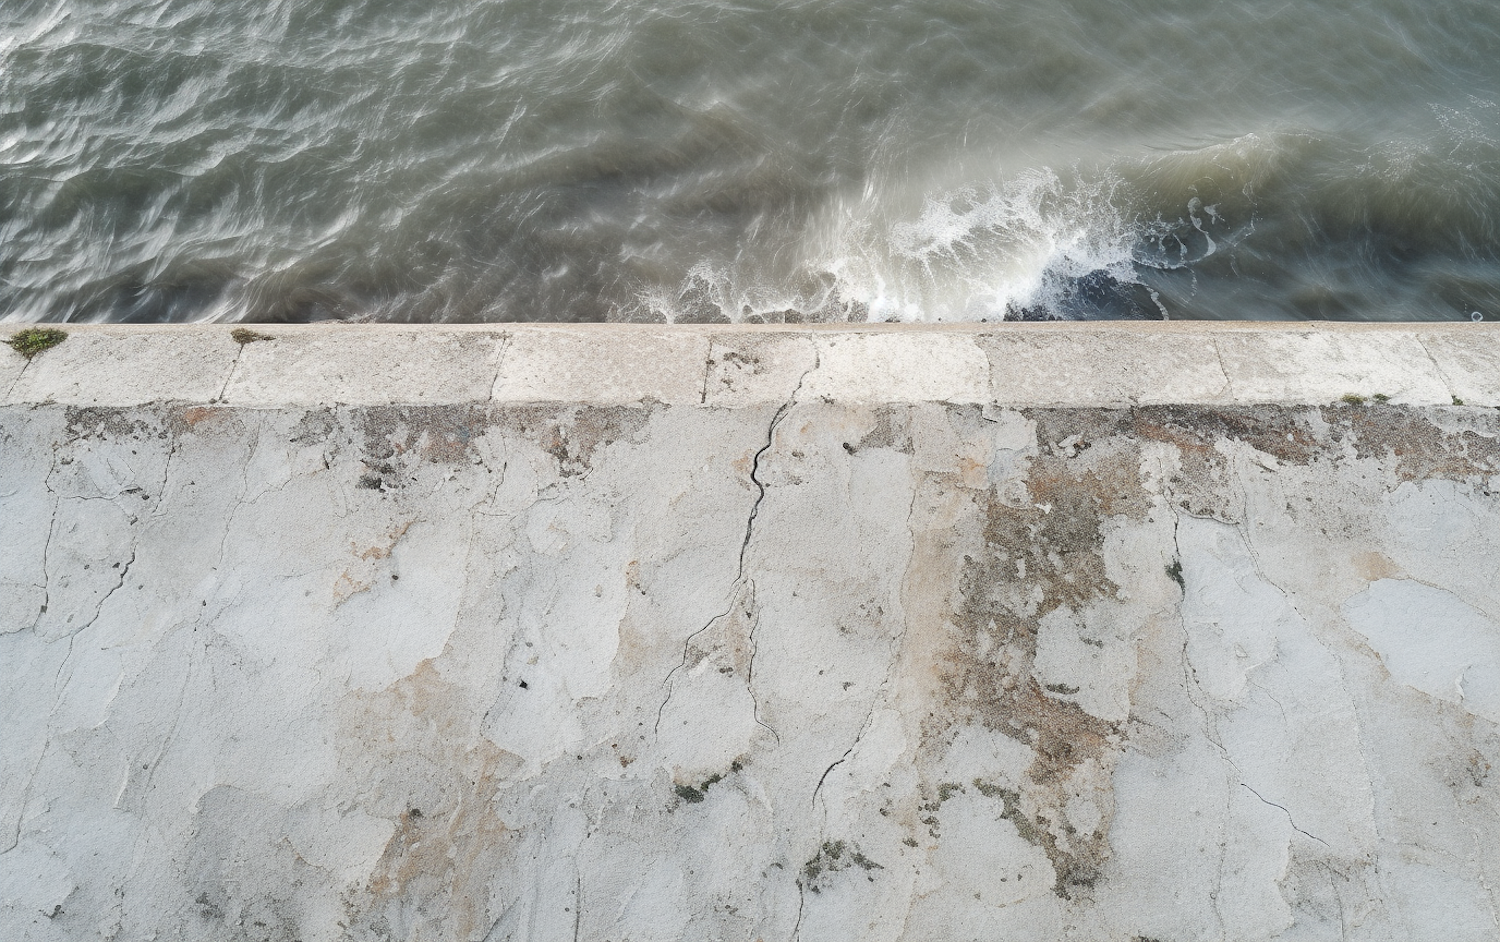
(469, 160)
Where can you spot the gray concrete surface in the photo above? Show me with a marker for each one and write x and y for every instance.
(1021, 364)
(1078, 632)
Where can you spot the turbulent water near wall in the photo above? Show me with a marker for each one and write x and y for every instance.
(687, 160)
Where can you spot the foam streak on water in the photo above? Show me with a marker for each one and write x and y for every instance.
(696, 160)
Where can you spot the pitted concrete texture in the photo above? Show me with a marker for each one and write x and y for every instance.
(767, 634)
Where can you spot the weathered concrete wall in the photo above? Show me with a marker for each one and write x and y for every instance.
(633, 634)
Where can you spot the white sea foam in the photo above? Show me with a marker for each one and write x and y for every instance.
(1038, 244)
(984, 253)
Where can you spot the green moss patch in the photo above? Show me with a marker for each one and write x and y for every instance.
(33, 340)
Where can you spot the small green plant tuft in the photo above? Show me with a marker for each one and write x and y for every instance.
(1354, 399)
(1381, 397)
(1457, 401)
(244, 335)
(33, 340)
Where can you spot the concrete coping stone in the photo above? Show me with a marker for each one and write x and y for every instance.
(1108, 364)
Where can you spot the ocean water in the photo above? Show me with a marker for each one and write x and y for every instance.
(748, 160)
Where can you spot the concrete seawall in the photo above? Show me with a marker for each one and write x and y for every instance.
(1104, 632)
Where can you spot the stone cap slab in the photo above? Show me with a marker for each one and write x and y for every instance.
(1107, 364)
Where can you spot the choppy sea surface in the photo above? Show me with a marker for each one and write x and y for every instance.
(690, 161)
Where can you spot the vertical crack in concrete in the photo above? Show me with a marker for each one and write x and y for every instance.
(166, 475)
(1210, 720)
(836, 763)
(864, 727)
(47, 545)
(10, 390)
(233, 365)
(890, 668)
(1227, 391)
(1438, 369)
(740, 585)
(1210, 725)
(885, 682)
(505, 340)
(124, 574)
(686, 644)
(492, 496)
(708, 369)
(577, 905)
(1255, 563)
(750, 531)
(57, 677)
(167, 741)
(46, 570)
(15, 836)
(801, 903)
(58, 680)
(760, 486)
(754, 615)
(239, 501)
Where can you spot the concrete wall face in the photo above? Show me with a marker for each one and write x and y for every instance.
(802, 668)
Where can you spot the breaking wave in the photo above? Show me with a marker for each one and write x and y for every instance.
(1264, 226)
(1041, 245)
